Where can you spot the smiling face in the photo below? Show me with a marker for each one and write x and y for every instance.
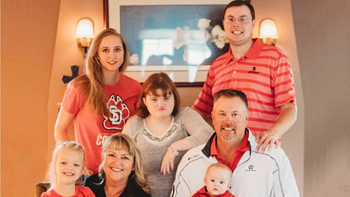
(217, 181)
(238, 33)
(230, 117)
(118, 165)
(69, 166)
(111, 53)
(159, 105)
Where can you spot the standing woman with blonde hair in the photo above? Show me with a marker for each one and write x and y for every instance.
(101, 100)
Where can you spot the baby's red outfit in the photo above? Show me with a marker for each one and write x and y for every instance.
(203, 193)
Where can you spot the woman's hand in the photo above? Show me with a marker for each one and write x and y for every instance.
(167, 163)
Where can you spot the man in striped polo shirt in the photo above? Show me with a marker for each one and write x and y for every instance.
(261, 71)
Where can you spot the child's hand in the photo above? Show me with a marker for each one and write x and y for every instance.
(87, 171)
(167, 163)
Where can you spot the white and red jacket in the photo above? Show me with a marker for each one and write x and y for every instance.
(257, 174)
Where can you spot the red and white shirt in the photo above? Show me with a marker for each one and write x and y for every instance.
(264, 74)
(92, 130)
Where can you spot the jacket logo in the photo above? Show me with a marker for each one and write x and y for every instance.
(193, 157)
(250, 168)
(120, 113)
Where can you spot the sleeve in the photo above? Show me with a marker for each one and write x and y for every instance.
(284, 181)
(187, 178)
(283, 82)
(45, 194)
(128, 128)
(180, 188)
(205, 99)
(198, 129)
(73, 99)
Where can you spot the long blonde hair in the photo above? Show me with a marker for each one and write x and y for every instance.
(91, 84)
(119, 141)
(51, 175)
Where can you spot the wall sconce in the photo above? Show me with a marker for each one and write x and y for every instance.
(268, 32)
(85, 34)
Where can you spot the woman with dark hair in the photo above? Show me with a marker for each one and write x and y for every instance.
(101, 100)
(163, 131)
(120, 173)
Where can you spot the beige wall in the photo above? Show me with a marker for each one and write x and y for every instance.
(322, 30)
(67, 53)
(28, 30)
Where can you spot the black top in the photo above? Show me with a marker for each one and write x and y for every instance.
(98, 188)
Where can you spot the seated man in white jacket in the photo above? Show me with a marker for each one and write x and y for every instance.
(254, 174)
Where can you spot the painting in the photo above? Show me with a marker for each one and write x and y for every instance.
(181, 40)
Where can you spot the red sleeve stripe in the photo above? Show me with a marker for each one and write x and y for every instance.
(204, 102)
(282, 93)
(290, 99)
(286, 73)
(285, 83)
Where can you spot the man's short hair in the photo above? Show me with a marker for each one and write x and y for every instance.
(229, 93)
(237, 3)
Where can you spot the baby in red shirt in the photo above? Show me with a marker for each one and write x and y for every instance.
(217, 181)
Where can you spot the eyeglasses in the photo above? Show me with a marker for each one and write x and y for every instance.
(242, 19)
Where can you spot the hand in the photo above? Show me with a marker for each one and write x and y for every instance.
(167, 163)
(87, 171)
(266, 139)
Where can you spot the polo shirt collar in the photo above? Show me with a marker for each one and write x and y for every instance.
(253, 52)
(207, 148)
(243, 147)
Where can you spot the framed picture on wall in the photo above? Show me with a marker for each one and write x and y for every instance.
(179, 38)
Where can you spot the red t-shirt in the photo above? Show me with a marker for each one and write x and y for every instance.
(92, 130)
(79, 192)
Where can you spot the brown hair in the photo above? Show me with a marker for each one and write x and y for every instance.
(237, 3)
(230, 94)
(91, 84)
(120, 141)
(151, 85)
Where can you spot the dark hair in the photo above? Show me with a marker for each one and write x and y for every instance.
(151, 85)
(237, 3)
(230, 94)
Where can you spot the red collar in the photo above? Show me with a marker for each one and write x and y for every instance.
(252, 53)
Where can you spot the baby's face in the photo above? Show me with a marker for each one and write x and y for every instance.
(217, 181)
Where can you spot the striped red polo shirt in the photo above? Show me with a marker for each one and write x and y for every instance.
(264, 74)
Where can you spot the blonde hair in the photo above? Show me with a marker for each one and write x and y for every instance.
(51, 175)
(91, 83)
(120, 141)
(219, 166)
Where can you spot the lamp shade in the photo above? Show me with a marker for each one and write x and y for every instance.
(268, 29)
(85, 29)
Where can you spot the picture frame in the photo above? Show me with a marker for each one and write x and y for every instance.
(151, 31)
